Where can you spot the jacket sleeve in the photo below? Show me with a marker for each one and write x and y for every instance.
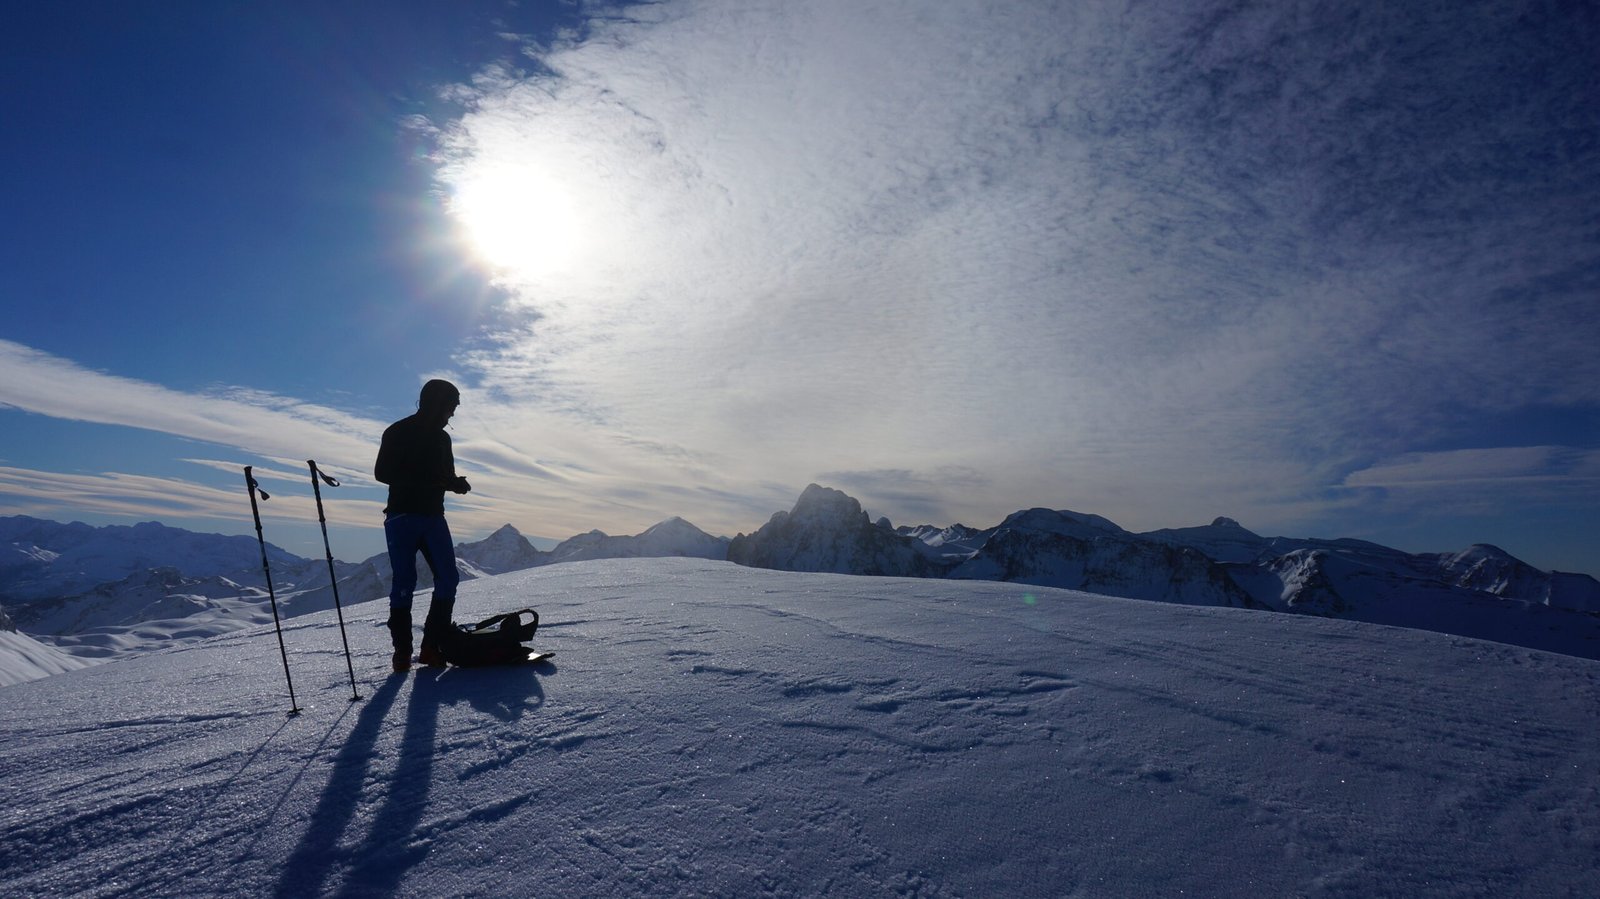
(387, 469)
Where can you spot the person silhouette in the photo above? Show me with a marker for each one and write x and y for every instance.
(416, 461)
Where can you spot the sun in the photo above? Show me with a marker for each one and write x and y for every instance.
(517, 220)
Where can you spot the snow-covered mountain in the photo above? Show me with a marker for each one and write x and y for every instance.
(712, 730)
(508, 550)
(956, 540)
(1480, 568)
(45, 559)
(94, 593)
(1482, 592)
(148, 595)
(828, 531)
(502, 551)
(109, 591)
(1223, 539)
(1061, 549)
(671, 538)
(1493, 570)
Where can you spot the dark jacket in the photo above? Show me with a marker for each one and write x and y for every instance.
(416, 461)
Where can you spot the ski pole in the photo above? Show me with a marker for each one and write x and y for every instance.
(255, 512)
(333, 579)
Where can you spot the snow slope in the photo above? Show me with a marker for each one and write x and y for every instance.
(23, 658)
(708, 729)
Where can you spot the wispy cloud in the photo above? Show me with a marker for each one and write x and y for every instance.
(55, 494)
(515, 481)
(1532, 495)
(253, 421)
(1555, 469)
(1159, 263)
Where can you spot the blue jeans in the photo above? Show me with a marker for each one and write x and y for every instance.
(408, 534)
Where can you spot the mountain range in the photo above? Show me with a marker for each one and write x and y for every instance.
(92, 593)
(1481, 592)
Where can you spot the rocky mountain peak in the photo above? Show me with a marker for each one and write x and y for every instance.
(819, 503)
(827, 530)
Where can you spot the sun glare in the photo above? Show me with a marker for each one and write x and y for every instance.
(517, 220)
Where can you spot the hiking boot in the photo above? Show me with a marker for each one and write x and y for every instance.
(400, 635)
(435, 630)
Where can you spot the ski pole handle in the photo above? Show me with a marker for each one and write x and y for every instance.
(328, 479)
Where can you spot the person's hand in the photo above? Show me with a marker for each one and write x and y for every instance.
(460, 485)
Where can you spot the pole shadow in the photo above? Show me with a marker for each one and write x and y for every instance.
(309, 865)
(388, 852)
(390, 849)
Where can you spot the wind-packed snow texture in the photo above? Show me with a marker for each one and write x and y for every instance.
(712, 730)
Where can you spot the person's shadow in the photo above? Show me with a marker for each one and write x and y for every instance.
(381, 861)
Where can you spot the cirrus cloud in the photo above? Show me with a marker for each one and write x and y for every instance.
(1159, 263)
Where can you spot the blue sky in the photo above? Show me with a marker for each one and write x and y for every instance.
(1327, 271)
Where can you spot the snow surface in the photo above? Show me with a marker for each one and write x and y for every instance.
(708, 729)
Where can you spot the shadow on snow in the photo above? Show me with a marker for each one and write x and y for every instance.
(379, 863)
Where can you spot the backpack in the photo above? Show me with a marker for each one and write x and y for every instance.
(485, 643)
